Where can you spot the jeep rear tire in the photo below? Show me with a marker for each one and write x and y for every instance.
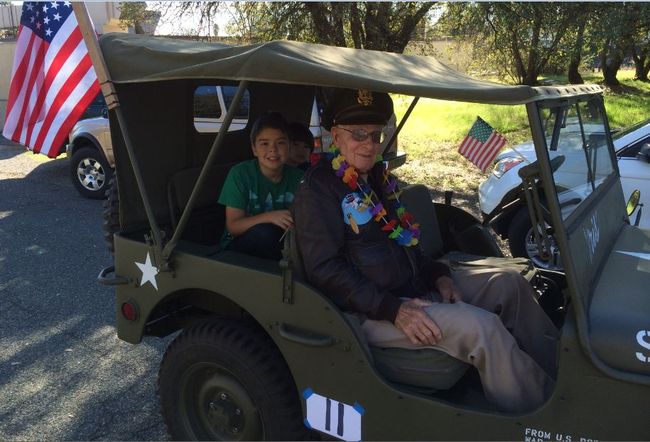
(226, 380)
(111, 214)
(90, 172)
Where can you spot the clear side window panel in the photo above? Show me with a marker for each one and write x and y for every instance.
(211, 104)
(578, 149)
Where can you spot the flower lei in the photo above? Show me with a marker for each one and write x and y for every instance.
(406, 232)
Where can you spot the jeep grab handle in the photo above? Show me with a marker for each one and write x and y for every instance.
(103, 278)
(304, 337)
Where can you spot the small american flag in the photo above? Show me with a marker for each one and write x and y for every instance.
(52, 81)
(482, 144)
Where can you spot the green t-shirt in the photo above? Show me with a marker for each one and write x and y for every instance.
(247, 189)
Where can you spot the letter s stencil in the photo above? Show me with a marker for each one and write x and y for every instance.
(641, 334)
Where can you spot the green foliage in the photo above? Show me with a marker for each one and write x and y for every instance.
(135, 15)
(518, 40)
(387, 26)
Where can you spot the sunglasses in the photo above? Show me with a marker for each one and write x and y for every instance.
(358, 134)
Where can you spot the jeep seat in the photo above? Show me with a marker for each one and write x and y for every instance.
(206, 223)
(428, 369)
(417, 200)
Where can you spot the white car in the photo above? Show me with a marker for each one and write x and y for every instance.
(504, 209)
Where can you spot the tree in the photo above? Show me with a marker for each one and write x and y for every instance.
(520, 38)
(136, 15)
(640, 49)
(387, 26)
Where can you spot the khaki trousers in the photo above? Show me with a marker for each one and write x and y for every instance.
(498, 328)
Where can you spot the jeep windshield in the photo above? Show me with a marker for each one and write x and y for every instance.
(575, 133)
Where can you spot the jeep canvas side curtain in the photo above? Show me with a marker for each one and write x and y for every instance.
(52, 81)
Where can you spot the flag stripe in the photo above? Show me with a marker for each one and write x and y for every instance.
(60, 99)
(32, 71)
(487, 148)
(55, 65)
(85, 101)
(481, 153)
(23, 46)
(65, 64)
(52, 79)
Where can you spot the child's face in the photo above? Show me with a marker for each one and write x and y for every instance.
(299, 153)
(271, 148)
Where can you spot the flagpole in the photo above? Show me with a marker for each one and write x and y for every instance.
(110, 94)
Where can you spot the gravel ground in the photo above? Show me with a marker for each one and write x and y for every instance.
(64, 375)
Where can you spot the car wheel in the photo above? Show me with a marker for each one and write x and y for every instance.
(111, 214)
(90, 172)
(225, 380)
(522, 243)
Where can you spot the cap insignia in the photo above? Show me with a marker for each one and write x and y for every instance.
(364, 97)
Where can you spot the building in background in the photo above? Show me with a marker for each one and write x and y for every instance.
(104, 15)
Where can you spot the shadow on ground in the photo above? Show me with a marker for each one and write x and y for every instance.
(64, 373)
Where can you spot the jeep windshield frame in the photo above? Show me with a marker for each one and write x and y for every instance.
(588, 179)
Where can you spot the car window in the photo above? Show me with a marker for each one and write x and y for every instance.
(206, 102)
(576, 139)
(211, 104)
(229, 94)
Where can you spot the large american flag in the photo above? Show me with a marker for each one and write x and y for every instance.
(482, 144)
(52, 81)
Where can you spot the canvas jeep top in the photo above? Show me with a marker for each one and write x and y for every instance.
(265, 355)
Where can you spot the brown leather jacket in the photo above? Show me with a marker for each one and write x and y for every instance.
(364, 272)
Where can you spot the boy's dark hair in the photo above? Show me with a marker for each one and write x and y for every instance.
(274, 120)
(298, 132)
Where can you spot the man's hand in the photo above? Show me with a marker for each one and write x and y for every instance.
(281, 218)
(448, 290)
(414, 322)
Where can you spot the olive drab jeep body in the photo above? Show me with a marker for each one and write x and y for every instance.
(263, 354)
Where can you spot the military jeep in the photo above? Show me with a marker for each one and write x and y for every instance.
(262, 354)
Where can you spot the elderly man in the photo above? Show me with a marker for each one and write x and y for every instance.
(359, 246)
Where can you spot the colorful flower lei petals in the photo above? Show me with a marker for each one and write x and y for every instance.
(396, 232)
(390, 226)
(406, 219)
(391, 185)
(402, 229)
(376, 209)
(395, 195)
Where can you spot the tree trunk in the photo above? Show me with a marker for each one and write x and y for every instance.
(641, 64)
(610, 66)
(576, 53)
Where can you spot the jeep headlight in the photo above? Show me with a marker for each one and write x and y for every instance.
(505, 165)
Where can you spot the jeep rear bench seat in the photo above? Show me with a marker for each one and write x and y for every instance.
(207, 220)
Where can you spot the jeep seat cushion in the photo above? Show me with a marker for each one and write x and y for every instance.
(427, 368)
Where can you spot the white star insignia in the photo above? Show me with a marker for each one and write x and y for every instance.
(149, 272)
(57, 17)
(47, 20)
(54, 5)
(636, 254)
(48, 32)
(30, 7)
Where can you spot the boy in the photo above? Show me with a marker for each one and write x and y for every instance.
(302, 145)
(257, 193)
